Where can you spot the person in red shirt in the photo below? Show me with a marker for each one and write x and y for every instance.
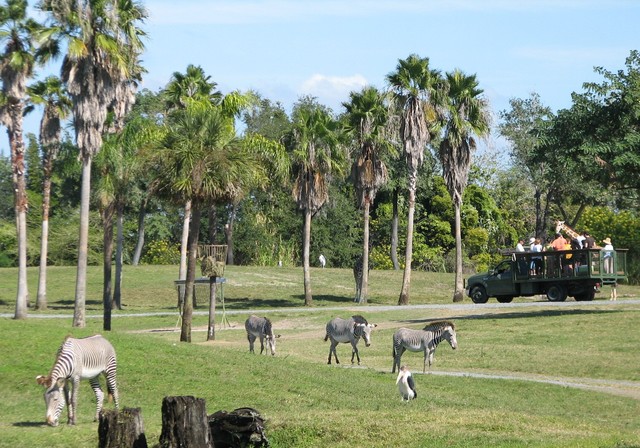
(559, 243)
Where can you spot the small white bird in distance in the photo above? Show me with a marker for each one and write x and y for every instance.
(406, 386)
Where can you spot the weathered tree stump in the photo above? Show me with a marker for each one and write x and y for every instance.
(241, 428)
(121, 429)
(184, 423)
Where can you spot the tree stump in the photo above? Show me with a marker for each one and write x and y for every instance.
(241, 428)
(184, 423)
(121, 429)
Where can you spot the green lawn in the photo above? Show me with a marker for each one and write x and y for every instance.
(310, 404)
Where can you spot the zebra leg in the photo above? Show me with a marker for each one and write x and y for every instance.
(95, 385)
(332, 349)
(251, 339)
(355, 353)
(74, 400)
(261, 343)
(112, 388)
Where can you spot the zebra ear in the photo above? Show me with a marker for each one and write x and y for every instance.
(373, 325)
(278, 335)
(60, 382)
(42, 380)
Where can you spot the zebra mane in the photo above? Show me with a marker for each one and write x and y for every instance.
(439, 325)
(267, 326)
(359, 319)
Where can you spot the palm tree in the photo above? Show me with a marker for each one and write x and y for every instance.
(202, 161)
(467, 116)
(367, 116)
(416, 90)
(17, 62)
(316, 155)
(99, 54)
(193, 85)
(57, 105)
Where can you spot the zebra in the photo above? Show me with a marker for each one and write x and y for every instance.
(78, 359)
(260, 327)
(351, 330)
(426, 340)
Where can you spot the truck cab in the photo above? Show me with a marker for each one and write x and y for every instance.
(556, 274)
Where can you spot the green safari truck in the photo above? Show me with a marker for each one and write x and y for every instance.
(556, 274)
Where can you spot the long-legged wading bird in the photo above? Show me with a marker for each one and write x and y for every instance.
(406, 386)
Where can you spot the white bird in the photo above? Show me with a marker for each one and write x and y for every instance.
(323, 260)
(406, 386)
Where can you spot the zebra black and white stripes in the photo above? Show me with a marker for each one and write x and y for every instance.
(79, 359)
(425, 340)
(348, 330)
(260, 327)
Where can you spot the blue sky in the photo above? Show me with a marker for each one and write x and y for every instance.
(327, 48)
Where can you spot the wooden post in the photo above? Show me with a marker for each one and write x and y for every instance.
(211, 333)
(121, 430)
(184, 423)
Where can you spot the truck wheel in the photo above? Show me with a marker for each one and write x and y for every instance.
(557, 293)
(504, 299)
(479, 294)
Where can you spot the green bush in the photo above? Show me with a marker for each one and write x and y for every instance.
(161, 252)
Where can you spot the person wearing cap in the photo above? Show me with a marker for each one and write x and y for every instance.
(607, 255)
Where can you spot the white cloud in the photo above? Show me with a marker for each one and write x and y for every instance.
(332, 90)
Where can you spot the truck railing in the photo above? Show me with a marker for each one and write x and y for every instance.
(609, 266)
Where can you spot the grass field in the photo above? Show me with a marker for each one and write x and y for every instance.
(511, 383)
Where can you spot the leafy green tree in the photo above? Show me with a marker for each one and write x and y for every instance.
(416, 88)
(316, 156)
(51, 94)
(367, 117)
(523, 126)
(467, 118)
(101, 54)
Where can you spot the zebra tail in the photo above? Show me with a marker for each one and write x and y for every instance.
(326, 337)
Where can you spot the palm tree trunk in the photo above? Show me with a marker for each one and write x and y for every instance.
(107, 254)
(406, 278)
(182, 274)
(458, 294)
(364, 293)
(228, 230)
(394, 231)
(306, 242)
(117, 287)
(140, 244)
(14, 132)
(213, 224)
(22, 298)
(41, 299)
(187, 310)
(83, 245)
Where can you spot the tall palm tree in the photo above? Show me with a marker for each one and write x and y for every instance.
(316, 155)
(416, 89)
(182, 89)
(51, 94)
(201, 161)
(467, 116)
(17, 62)
(102, 37)
(367, 116)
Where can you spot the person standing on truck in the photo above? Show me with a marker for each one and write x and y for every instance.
(607, 255)
(559, 243)
(589, 242)
(536, 262)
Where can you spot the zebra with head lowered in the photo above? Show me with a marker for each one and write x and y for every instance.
(425, 340)
(79, 359)
(260, 327)
(351, 330)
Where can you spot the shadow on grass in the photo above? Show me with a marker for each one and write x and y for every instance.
(514, 315)
(29, 424)
(70, 304)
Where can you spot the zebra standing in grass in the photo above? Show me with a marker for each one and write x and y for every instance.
(79, 359)
(260, 327)
(351, 330)
(426, 340)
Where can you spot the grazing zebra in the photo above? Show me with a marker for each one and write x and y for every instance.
(425, 340)
(79, 359)
(351, 330)
(406, 386)
(260, 327)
